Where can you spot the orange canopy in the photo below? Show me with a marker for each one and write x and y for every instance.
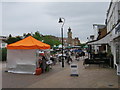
(28, 43)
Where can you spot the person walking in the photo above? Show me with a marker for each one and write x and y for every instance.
(77, 56)
(44, 64)
(83, 54)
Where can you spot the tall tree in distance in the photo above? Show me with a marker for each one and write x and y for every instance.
(10, 35)
(48, 39)
(12, 40)
(29, 34)
(37, 35)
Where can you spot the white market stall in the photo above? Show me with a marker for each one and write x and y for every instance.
(22, 56)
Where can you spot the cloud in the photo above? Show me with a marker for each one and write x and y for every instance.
(23, 17)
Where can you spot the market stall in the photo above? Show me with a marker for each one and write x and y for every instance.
(22, 56)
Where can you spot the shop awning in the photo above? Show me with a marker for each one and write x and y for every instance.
(28, 43)
(103, 40)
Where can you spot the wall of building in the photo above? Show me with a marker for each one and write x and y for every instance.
(76, 41)
(119, 10)
(96, 28)
(112, 15)
(103, 32)
(113, 25)
(69, 39)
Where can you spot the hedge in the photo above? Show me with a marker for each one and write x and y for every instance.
(3, 54)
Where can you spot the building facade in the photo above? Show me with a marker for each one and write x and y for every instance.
(76, 41)
(98, 28)
(99, 32)
(111, 37)
(113, 26)
(70, 41)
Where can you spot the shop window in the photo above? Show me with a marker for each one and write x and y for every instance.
(118, 53)
(104, 47)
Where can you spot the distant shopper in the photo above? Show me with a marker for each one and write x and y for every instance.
(69, 60)
(77, 56)
(53, 59)
(40, 62)
(83, 54)
(44, 64)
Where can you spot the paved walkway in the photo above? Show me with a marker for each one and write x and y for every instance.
(58, 77)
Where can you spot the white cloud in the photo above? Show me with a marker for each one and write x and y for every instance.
(56, 0)
(23, 17)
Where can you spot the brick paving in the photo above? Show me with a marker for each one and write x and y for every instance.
(91, 77)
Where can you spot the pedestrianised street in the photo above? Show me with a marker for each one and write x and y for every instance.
(92, 76)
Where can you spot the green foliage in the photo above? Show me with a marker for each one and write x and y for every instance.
(82, 45)
(51, 40)
(37, 36)
(10, 35)
(12, 39)
(4, 54)
(109, 53)
(48, 39)
(29, 34)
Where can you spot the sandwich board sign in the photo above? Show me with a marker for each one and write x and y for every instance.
(74, 70)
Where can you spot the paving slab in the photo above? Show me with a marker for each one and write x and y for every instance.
(91, 77)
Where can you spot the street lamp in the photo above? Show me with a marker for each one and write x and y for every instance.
(62, 20)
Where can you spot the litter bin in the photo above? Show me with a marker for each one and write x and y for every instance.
(74, 70)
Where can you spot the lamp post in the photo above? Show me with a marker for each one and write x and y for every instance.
(62, 20)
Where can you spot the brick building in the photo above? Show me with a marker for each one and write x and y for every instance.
(70, 41)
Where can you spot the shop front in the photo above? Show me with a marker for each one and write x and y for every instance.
(117, 51)
(116, 44)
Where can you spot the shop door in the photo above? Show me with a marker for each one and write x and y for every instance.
(118, 56)
(118, 53)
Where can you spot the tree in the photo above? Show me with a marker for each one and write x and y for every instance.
(4, 54)
(29, 34)
(48, 39)
(24, 34)
(12, 39)
(51, 40)
(18, 38)
(37, 35)
(10, 35)
(82, 45)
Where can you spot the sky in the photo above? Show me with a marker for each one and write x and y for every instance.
(27, 17)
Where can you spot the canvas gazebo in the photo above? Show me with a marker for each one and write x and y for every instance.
(22, 56)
